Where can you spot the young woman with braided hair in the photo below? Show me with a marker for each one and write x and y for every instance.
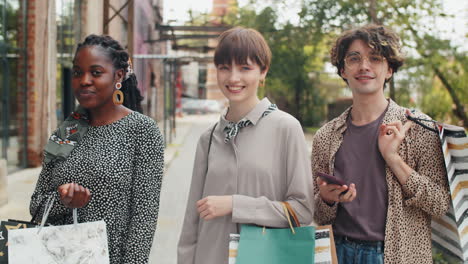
(106, 158)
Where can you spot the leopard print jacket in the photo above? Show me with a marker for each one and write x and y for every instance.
(410, 206)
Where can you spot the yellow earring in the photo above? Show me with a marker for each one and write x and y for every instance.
(118, 96)
(262, 82)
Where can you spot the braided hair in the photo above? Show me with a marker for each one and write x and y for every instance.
(119, 58)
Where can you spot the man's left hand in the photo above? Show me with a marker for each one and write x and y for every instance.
(390, 137)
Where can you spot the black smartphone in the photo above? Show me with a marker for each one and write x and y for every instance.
(330, 179)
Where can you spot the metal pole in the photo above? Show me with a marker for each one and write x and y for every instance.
(130, 20)
(61, 32)
(6, 88)
(173, 80)
(24, 159)
(164, 102)
(174, 98)
(163, 56)
(105, 17)
(79, 4)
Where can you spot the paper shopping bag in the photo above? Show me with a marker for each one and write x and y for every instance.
(13, 224)
(5, 226)
(325, 250)
(260, 245)
(449, 231)
(276, 246)
(84, 243)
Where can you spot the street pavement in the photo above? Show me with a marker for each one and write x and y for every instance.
(20, 186)
(174, 193)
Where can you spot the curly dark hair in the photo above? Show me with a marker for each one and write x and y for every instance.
(119, 58)
(380, 39)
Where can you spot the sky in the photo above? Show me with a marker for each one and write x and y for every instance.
(457, 27)
(176, 13)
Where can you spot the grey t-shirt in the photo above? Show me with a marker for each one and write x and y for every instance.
(359, 161)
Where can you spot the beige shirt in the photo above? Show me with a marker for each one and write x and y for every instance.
(264, 164)
(410, 206)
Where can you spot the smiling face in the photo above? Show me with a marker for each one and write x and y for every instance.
(364, 70)
(94, 77)
(239, 82)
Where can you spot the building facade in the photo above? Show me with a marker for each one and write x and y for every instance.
(38, 39)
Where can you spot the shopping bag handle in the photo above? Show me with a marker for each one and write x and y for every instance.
(289, 213)
(418, 121)
(292, 213)
(36, 213)
(48, 207)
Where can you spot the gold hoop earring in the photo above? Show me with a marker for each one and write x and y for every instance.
(118, 97)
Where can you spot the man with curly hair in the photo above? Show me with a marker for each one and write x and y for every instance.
(394, 171)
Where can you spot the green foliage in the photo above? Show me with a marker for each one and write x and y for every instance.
(297, 82)
(454, 67)
(441, 60)
(414, 21)
(297, 51)
(11, 26)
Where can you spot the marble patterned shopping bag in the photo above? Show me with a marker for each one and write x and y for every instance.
(84, 243)
(5, 226)
(68, 244)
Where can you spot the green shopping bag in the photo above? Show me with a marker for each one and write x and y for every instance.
(260, 245)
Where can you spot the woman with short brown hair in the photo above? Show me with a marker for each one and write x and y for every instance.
(249, 162)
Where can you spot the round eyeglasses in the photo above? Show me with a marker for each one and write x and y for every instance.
(353, 60)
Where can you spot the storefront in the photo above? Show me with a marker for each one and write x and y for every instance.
(38, 39)
(35, 90)
(13, 21)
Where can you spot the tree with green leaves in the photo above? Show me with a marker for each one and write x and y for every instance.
(298, 83)
(297, 52)
(411, 19)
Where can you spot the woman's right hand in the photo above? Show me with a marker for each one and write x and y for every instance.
(332, 193)
(74, 195)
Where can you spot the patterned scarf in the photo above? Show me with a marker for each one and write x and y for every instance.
(232, 129)
(67, 136)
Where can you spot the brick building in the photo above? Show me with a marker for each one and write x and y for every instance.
(37, 44)
(220, 9)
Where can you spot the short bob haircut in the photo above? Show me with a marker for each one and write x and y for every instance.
(239, 44)
(380, 39)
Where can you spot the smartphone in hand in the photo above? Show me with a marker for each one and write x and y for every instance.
(330, 179)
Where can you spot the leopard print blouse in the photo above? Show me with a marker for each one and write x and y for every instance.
(410, 206)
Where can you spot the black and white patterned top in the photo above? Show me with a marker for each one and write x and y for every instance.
(122, 165)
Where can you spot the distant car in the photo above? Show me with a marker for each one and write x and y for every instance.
(200, 106)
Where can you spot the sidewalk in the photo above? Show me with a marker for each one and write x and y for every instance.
(20, 187)
(21, 184)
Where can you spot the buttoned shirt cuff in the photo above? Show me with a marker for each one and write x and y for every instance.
(411, 187)
(324, 213)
